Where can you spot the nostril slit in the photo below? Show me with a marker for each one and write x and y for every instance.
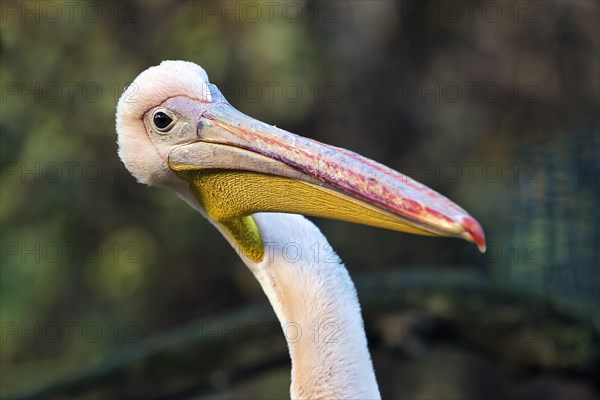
(202, 127)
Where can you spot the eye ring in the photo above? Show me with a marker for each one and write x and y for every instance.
(162, 121)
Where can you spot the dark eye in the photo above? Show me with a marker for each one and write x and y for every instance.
(162, 120)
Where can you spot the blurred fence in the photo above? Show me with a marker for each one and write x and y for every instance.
(556, 218)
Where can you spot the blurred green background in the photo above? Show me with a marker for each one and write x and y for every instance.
(112, 289)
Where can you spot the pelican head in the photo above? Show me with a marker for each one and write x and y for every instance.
(176, 130)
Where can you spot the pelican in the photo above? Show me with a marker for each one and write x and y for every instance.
(255, 183)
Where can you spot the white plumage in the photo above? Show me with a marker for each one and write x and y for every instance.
(314, 298)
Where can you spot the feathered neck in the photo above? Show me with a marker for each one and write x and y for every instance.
(317, 305)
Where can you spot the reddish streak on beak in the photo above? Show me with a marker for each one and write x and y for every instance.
(347, 171)
(471, 225)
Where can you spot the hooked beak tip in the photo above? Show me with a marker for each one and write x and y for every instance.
(475, 231)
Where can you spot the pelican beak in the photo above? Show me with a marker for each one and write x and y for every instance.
(239, 166)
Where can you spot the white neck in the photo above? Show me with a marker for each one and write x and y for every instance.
(316, 303)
